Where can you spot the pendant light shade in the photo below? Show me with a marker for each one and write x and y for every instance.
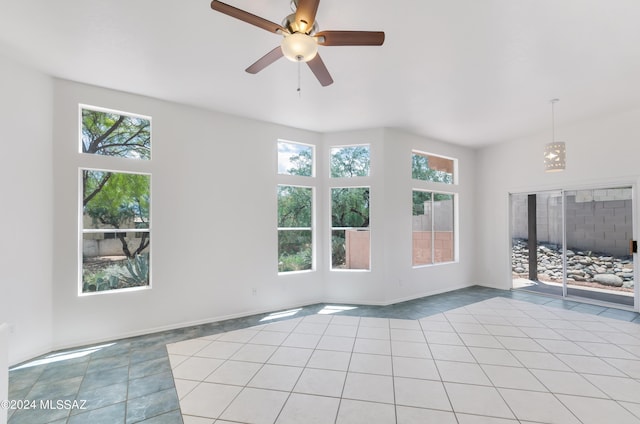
(555, 153)
(554, 156)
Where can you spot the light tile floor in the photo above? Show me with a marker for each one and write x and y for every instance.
(495, 361)
(365, 365)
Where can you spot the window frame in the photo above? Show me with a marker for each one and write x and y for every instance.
(82, 106)
(119, 165)
(358, 229)
(455, 231)
(454, 175)
(368, 145)
(311, 229)
(313, 159)
(303, 181)
(82, 231)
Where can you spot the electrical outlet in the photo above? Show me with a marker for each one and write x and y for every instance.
(254, 291)
(12, 328)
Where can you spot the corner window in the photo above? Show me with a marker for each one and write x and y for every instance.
(295, 233)
(295, 202)
(115, 224)
(350, 235)
(350, 161)
(428, 167)
(433, 227)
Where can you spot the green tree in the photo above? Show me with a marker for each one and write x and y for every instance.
(119, 201)
(111, 134)
(420, 170)
(294, 223)
(352, 161)
(419, 198)
(294, 206)
(302, 163)
(350, 207)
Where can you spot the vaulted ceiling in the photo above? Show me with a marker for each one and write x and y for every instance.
(471, 72)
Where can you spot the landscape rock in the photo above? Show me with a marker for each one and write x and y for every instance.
(608, 280)
(589, 267)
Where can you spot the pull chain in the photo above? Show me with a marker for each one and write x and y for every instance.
(299, 91)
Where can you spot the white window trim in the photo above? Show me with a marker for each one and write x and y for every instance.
(357, 184)
(82, 231)
(304, 181)
(82, 107)
(455, 168)
(455, 227)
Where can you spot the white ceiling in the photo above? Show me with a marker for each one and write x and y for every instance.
(470, 72)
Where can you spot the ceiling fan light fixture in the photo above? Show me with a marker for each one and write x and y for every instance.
(299, 47)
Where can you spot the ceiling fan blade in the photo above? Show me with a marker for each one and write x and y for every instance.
(350, 38)
(247, 17)
(306, 14)
(320, 71)
(265, 61)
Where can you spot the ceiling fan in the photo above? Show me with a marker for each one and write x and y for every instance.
(301, 37)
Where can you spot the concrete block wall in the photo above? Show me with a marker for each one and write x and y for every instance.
(442, 243)
(596, 220)
(443, 220)
(599, 225)
(357, 249)
(548, 217)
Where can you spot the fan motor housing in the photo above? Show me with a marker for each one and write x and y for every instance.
(290, 24)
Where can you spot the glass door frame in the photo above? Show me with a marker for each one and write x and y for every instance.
(563, 191)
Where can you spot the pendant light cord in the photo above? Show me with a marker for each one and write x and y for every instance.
(553, 119)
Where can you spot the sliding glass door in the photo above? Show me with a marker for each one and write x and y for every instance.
(537, 241)
(599, 226)
(574, 243)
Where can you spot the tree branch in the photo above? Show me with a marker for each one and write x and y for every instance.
(97, 189)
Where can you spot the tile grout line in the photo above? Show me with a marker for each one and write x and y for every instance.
(505, 297)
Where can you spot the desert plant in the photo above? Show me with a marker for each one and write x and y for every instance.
(299, 261)
(138, 269)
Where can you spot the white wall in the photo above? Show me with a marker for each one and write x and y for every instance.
(26, 245)
(213, 220)
(4, 369)
(600, 152)
(213, 179)
(392, 277)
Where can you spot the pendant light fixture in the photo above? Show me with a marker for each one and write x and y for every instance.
(555, 154)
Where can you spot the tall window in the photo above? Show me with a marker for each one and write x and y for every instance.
(433, 212)
(433, 227)
(295, 241)
(350, 236)
(115, 220)
(295, 207)
(428, 167)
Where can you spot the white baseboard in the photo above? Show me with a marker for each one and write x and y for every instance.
(85, 342)
(125, 335)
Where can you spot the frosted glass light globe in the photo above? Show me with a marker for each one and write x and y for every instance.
(299, 47)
